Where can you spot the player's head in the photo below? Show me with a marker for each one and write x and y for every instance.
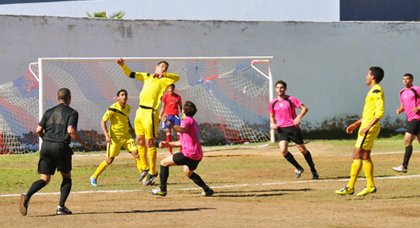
(122, 96)
(281, 87)
(171, 89)
(64, 95)
(377, 73)
(162, 67)
(408, 80)
(189, 109)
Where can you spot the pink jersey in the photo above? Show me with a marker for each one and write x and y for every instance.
(190, 140)
(410, 99)
(284, 110)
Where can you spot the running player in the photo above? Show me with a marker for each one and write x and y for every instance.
(147, 117)
(283, 109)
(57, 127)
(170, 103)
(190, 156)
(373, 111)
(118, 135)
(410, 102)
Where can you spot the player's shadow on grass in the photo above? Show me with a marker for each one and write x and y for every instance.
(138, 211)
(360, 177)
(258, 193)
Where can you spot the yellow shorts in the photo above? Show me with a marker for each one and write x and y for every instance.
(366, 141)
(147, 123)
(114, 149)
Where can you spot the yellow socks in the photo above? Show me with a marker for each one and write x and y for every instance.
(138, 162)
(356, 167)
(368, 169)
(100, 169)
(143, 157)
(153, 159)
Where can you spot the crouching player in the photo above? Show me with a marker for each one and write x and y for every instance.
(191, 152)
(118, 134)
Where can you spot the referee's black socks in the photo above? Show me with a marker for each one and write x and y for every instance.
(65, 190)
(164, 174)
(197, 180)
(35, 187)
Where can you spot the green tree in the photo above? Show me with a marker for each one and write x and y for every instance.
(119, 14)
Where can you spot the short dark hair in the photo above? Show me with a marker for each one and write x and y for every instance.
(281, 82)
(167, 64)
(409, 75)
(173, 85)
(64, 94)
(377, 73)
(122, 90)
(190, 109)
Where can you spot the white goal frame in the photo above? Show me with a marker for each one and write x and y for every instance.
(42, 60)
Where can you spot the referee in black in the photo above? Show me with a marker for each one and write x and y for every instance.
(56, 127)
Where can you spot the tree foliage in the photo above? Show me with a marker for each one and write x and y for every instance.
(119, 14)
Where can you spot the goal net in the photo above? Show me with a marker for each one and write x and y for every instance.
(231, 94)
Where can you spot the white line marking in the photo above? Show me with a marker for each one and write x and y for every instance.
(224, 186)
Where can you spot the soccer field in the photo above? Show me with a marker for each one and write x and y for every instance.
(254, 187)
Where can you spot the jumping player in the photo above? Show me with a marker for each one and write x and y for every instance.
(170, 103)
(190, 156)
(282, 109)
(57, 127)
(147, 117)
(410, 102)
(118, 135)
(373, 111)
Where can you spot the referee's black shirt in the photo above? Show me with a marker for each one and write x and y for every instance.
(55, 122)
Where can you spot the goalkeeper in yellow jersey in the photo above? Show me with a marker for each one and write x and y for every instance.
(373, 111)
(118, 135)
(147, 116)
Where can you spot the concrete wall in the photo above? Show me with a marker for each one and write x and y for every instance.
(324, 63)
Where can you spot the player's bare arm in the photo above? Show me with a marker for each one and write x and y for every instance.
(366, 129)
(177, 128)
(165, 144)
(416, 109)
(105, 130)
(75, 136)
(40, 132)
(162, 110)
(302, 113)
(401, 109)
(353, 126)
(131, 127)
(273, 122)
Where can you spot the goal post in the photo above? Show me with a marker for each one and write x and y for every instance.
(232, 94)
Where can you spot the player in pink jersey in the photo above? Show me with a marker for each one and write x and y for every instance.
(191, 154)
(283, 118)
(410, 102)
(170, 103)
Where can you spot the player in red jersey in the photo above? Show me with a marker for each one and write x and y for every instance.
(410, 103)
(283, 119)
(170, 103)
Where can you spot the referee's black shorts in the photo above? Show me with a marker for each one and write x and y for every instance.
(291, 133)
(180, 159)
(413, 127)
(54, 156)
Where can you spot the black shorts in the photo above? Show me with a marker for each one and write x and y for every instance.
(180, 159)
(413, 127)
(290, 133)
(54, 156)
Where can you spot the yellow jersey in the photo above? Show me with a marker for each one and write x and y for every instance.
(153, 88)
(119, 119)
(374, 105)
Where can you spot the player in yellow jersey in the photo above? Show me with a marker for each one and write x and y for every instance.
(373, 111)
(118, 135)
(147, 116)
